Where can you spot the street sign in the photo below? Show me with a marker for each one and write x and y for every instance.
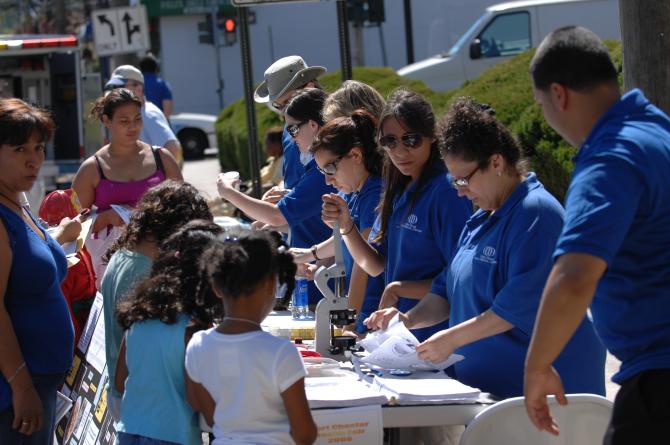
(120, 30)
(267, 2)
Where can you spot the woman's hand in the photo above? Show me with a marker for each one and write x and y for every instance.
(68, 230)
(437, 348)
(379, 320)
(390, 295)
(28, 410)
(107, 218)
(301, 255)
(275, 194)
(306, 271)
(335, 209)
(226, 185)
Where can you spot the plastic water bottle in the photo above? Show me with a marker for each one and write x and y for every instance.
(299, 308)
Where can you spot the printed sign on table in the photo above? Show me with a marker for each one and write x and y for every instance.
(361, 425)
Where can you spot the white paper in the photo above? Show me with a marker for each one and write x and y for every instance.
(93, 315)
(341, 391)
(123, 211)
(63, 405)
(395, 348)
(95, 356)
(439, 389)
(361, 425)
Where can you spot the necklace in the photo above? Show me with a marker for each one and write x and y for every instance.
(16, 203)
(245, 320)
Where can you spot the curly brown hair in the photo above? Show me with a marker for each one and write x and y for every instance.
(470, 131)
(176, 284)
(159, 213)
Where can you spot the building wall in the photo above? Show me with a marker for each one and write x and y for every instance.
(307, 29)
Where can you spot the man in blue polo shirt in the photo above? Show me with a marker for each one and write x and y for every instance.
(614, 250)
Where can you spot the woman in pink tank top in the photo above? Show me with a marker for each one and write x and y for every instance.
(120, 172)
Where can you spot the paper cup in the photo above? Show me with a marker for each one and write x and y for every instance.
(232, 176)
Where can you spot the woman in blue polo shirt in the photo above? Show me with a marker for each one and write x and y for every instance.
(301, 207)
(346, 152)
(420, 215)
(492, 288)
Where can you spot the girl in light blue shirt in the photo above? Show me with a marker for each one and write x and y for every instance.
(167, 308)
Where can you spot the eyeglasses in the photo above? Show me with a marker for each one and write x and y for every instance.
(464, 181)
(409, 140)
(330, 168)
(294, 129)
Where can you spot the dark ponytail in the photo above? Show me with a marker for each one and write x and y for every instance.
(358, 130)
(235, 263)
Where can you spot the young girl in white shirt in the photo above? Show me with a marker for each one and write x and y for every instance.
(248, 384)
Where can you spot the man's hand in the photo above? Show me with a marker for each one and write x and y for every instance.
(537, 385)
(306, 271)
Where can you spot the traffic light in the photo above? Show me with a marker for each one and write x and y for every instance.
(227, 21)
(360, 12)
(205, 32)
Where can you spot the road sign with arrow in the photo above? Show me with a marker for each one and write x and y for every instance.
(120, 30)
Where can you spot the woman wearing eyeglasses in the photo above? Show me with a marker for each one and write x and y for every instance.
(492, 287)
(421, 215)
(346, 152)
(301, 207)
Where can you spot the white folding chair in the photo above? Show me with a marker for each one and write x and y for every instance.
(582, 422)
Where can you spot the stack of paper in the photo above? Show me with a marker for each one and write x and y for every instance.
(335, 392)
(395, 348)
(421, 391)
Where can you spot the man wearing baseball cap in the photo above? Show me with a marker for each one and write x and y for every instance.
(156, 130)
(282, 79)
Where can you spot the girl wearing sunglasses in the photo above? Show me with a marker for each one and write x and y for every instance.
(346, 152)
(421, 215)
(300, 208)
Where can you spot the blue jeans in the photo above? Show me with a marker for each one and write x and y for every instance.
(46, 386)
(134, 439)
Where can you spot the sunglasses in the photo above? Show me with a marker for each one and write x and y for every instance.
(464, 181)
(294, 129)
(409, 140)
(330, 168)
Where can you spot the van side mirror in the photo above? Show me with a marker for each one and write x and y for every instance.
(476, 49)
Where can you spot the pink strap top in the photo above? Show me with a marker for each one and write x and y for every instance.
(110, 192)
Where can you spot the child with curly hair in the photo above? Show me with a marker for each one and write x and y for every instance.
(160, 317)
(160, 212)
(248, 384)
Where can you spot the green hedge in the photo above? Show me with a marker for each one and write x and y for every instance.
(506, 87)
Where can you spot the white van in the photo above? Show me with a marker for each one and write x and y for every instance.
(508, 29)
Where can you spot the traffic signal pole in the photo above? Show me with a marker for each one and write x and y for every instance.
(247, 73)
(216, 40)
(345, 46)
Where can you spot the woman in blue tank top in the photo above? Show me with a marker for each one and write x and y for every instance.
(36, 333)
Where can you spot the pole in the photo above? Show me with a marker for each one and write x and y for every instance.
(409, 39)
(345, 46)
(216, 40)
(245, 48)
